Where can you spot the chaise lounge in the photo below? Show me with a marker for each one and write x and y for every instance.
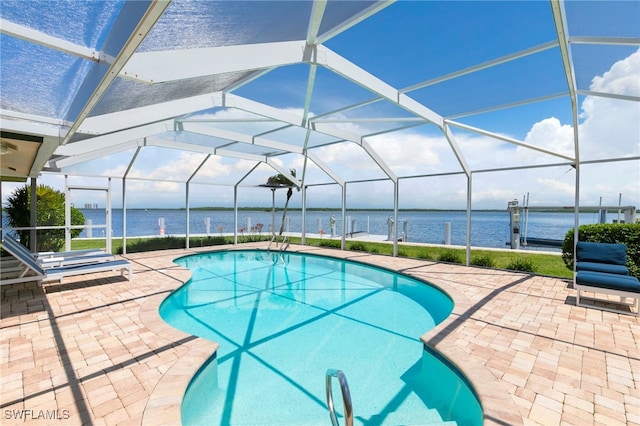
(32, 270)
(601, 268)
(67, 258)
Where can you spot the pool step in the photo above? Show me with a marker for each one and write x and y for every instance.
(430, 417)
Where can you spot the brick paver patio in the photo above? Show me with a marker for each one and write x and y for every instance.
(93, 350)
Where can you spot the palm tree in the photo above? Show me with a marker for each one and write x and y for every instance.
(281, 181)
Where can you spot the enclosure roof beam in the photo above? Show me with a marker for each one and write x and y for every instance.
(36, 37)
(507, 106)
(121, 120)
(484, 65)
(185, 146)
(195, 172)
(60, 162)
(104, 141)
(456, 150)
(509, 140)
(350, 71)
(172, 65)
(313, 157)
(246, 175)
(234, 101)
(137, 19)
(617, 96)
(379, 161)
(241, 137)
(353, 20)
(614, 41)
(283, 172)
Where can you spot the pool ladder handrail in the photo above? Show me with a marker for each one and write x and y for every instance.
(274, 238)
(283, 247)
(346, 397)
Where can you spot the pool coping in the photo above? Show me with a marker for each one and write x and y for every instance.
(498, 408)
(164, 403)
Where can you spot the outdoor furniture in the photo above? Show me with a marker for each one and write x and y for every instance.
(31, 270)
(67, 258)
(601, 268)
(601, 257)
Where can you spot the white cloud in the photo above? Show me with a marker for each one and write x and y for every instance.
(621, 79)
(552, 135)
(168, 165)
(556, 186)
(411, 153)
(611, 127)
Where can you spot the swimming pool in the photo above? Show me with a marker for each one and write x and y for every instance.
(283, 320)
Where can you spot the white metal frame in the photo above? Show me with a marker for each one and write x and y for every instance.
(154, 125)
(67, 212)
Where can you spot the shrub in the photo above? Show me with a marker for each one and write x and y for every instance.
(483, 260)
(207, 241)
(621, 233)
(423, 254)
(168, 243)
(357, 246)
(521, 264)
(251, 238)
(329, 243)
(449, 256)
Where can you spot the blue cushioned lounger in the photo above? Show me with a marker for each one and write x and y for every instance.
(601, 257)
(609, 268)
(601, 268)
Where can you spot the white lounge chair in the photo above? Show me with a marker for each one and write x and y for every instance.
(67, 258)
(32, 270)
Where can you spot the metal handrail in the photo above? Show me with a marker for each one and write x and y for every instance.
(346, 397)
(273, 238)
(285, 239)
(283, 245)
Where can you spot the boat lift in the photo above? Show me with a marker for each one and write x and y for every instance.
(518, 216)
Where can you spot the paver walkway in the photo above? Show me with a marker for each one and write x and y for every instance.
(93, 350)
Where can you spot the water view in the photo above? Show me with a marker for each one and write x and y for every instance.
(488, 228)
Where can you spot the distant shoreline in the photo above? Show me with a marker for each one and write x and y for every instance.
(293, 209)
(318, 209)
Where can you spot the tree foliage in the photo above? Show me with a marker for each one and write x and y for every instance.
(49, 212)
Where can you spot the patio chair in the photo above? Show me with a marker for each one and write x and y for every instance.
(67, 258)
(601, 268)
(31, 270)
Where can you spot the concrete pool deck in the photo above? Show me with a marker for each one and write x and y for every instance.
(93, 350)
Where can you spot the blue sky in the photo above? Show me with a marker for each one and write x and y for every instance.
(413, 42)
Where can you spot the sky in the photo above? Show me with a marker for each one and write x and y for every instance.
(412, 45)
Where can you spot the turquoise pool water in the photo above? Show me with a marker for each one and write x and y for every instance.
(282, 321)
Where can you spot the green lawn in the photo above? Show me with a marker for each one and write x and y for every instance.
(539, 263)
